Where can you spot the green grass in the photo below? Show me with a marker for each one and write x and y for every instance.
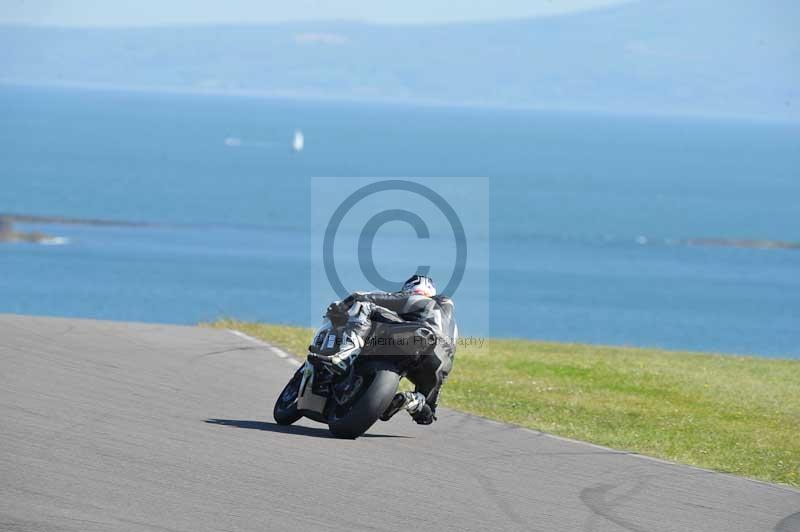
(728, 413)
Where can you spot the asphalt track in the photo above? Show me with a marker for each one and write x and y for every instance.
(121, 426)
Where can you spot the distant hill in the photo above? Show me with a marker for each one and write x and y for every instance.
(739, 57)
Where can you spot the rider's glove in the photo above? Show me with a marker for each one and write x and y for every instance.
(339, 309)
(337, 312)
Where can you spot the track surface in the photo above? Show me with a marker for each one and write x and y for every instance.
(120, 426)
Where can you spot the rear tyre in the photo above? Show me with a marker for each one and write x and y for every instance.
(285, 411)
(367, 408)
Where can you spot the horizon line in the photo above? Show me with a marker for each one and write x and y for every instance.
(621, 4)
(300, 96)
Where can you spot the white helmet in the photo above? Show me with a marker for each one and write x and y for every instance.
(420, 285)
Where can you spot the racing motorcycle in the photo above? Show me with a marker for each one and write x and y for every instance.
(351, 403)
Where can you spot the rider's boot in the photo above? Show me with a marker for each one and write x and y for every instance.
(413, 402)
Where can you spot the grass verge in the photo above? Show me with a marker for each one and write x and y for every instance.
(728, 413)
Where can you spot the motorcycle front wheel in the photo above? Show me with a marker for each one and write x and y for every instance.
(285, 411)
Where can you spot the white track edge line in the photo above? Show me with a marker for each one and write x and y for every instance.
(275, 351)
(633, 454)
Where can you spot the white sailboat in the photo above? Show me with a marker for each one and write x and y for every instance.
(298, 142)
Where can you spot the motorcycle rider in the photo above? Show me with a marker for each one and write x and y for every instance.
(417, 301)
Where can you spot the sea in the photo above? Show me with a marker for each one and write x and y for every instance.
(664, 232)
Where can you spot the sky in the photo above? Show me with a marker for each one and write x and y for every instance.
(159, 12)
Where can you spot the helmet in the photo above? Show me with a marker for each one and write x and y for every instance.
(420, 285)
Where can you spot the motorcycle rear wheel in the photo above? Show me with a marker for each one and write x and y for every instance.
(367, 408)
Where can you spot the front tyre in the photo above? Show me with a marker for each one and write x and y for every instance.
(355, 420)
(285, 411)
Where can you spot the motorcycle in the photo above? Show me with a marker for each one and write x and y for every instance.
(351, 403)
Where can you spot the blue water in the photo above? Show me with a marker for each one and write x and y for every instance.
(587, 213)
